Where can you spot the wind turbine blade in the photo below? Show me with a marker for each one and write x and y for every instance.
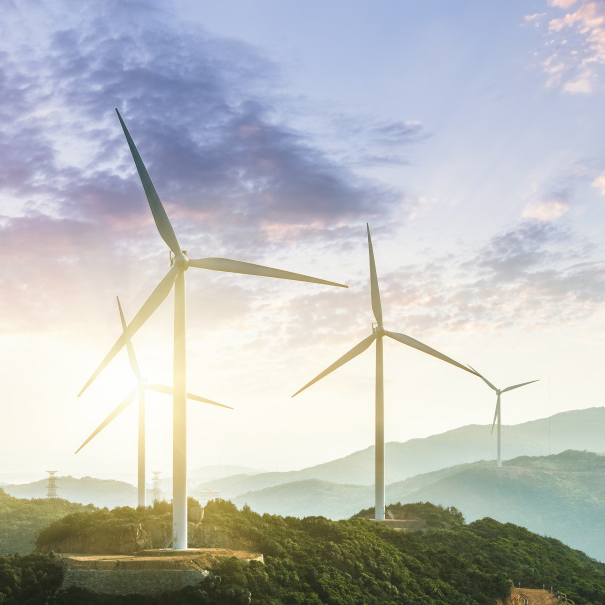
(159, 388)
(376, 305)
(151, 304)
(487, 382)
(111, 416)
(238, 266)
(159, 214)
(416, 344)
(354, 352)
(496, 414)
(518, 385)
(134, 364)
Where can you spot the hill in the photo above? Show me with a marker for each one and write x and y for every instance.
(576, 430)
(317, 561)
(21, 520)
(562, 496)
(87, 490)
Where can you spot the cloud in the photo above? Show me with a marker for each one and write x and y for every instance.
(599, 183)
(201, 111)
(236, 179)
(532, 274)
(576, 45)
(545, 211)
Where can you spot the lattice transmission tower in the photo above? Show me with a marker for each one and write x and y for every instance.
(156, 490)
(51, 484)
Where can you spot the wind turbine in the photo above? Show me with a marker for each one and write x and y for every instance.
(176, 277)
(377, 335)
(498, 413)
(141, 388)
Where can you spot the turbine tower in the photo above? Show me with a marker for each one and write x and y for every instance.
(176, 277)
(377, 335)
(498, 413)
(141, 388)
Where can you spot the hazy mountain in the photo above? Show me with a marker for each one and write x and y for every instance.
(579, 430)
(205, 474)
(562, 496)
(87, 490)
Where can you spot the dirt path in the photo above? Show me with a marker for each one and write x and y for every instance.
(532, 596)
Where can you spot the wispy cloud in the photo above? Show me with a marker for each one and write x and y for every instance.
(575, 46)
(599, 183)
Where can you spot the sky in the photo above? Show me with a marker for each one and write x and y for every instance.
(468, 135)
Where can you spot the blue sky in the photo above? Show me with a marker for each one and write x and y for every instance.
(469, 136)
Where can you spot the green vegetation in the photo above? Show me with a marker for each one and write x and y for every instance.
(28, 580)
(562, 496)
(104, 525)
(316, 561)
(433, 516)
(20, 520)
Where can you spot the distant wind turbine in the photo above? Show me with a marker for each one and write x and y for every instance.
(141, 388)
(498, 413)
(176, 277)
(377, 335)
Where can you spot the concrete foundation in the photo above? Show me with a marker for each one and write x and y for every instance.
(149, 572)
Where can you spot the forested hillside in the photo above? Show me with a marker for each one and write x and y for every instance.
(20, 520)
(352, 562)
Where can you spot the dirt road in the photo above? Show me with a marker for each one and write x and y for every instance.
(532, 596)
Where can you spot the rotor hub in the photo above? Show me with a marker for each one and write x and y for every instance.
(181, 261)
(379, 330)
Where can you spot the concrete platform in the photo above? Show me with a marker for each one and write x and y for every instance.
(149, 572)
(402, 524)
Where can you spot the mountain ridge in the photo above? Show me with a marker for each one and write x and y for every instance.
(575, 429)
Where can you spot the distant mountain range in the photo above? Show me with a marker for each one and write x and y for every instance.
(211, 473)
(87, 490)
(576, 430)
(109, 492)
(562, 496)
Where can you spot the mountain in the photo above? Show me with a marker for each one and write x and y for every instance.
(562, 496)
(211, 473)
(87, 490)
(575, 430)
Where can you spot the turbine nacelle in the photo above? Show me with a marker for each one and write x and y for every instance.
(181, 262)
(379, 331)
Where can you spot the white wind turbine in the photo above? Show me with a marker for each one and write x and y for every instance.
(377, 335)
(176, 276)
(498, 413)
(141, 388)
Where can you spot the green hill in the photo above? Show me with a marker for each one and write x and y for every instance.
(21, 520)
(562, 496)
(575, 430)
(315, 561)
